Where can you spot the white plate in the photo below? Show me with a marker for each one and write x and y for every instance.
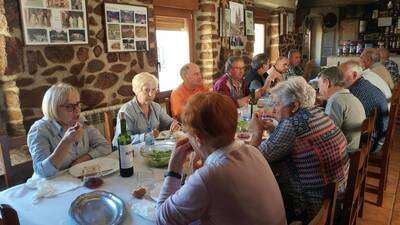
(103, 166)
(155, 192)
(165, 134)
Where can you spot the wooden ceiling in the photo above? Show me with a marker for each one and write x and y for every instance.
(331, 3)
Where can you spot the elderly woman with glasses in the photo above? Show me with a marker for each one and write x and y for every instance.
(235, 184)
(61, 139)
(306, 149)
(142, 114)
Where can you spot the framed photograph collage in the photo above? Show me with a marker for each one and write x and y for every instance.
(126, 27)
(54, 22)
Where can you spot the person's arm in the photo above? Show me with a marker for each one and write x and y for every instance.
(165, 119)
(46, 163)
(336, 112)
(280, 143)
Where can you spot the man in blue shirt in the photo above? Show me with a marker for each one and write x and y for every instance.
(370, 97)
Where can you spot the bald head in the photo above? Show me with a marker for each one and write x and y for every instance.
(384, 53)
(282, 64)
(352, 71)
(369, 56)
(191, 75)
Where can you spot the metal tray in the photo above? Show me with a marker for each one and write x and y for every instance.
(97, 207)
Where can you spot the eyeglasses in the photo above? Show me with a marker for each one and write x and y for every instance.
(72, 107)
(238, 68)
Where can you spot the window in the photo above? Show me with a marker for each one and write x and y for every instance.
(259, 38)
(173, 36)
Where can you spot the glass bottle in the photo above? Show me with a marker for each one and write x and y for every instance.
(125, 149)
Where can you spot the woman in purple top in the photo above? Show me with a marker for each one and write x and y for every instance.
(235, 184)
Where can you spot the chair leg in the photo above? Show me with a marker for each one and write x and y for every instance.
(381, 188)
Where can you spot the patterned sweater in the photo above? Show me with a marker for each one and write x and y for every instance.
(308, 151)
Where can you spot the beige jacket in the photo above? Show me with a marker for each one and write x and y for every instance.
(383, 73)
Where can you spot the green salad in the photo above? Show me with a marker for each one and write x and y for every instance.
(242, 126)
(155, 157)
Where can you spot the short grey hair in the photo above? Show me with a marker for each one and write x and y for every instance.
(259, 60)
(334, 75)
(185, 69)
(292, 51)
(141, 79)
(295, 89)
(372, 54)
(55, 96)
(231, 60)
(352, 66)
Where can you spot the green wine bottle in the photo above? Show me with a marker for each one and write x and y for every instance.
(125, 149)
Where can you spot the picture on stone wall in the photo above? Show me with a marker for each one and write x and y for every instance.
(249, 22)
(237, 19)
(58, 36)
(72, 19)
(114, 32)
(37, 17)
(141, 45)
(127, 16)
(112, 16)
(126, 27)
(58, 3)
(236, 42)
(34, 3)
(53, 22)
(128, 43)
(77, 36)
(76, 4)
(140, 18)
(128, 31)
(141, 32)
(224, 21)
(38, 35)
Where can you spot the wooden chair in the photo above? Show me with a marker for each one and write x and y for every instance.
(164, 100)
(326, 214)
(379, 162)
(353, 203)
(8, 215)
(14, 174)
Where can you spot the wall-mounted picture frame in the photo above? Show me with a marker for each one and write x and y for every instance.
(54, 22)
(237, 19)
(249, 19)
(126, 27)
(224, 22)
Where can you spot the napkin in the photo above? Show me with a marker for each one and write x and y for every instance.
(50, 187)
(145, 208)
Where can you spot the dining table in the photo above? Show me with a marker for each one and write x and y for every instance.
(55, 210)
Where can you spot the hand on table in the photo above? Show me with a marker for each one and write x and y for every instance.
(155, 132)
(81, 159)
(174, 126)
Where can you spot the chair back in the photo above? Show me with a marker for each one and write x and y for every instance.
(356, 181)
(8, 215)
(390, 131)
(164, 99)
(367, 129)
(325, 215)
(19, 173)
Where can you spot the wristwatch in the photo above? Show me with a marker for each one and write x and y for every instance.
(172, 174)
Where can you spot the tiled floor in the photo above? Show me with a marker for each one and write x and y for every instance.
(389, 213)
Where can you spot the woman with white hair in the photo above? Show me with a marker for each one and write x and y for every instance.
(61, 139)
(306, 148)
(142, 113)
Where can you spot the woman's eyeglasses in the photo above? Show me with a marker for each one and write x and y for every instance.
(72, 107)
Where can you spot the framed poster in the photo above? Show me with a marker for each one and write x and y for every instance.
(237, 19)
(126, 27)
(54, 22)
(224, 22)
(249, 22)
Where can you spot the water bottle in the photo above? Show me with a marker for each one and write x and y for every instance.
(148, 137)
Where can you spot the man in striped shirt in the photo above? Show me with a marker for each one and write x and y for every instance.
(370, 97)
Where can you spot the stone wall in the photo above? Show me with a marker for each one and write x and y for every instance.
(102, 78)
(211, 49)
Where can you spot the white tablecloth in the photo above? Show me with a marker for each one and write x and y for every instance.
(54, 211)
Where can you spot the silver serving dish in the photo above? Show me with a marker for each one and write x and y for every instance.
(97, 207)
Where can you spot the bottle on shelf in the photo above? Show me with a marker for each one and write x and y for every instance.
(125, 149)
